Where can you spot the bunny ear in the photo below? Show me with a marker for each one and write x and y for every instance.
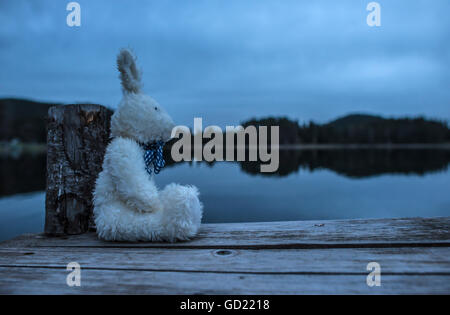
(129, 73)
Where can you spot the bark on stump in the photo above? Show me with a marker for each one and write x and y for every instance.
(77, 136)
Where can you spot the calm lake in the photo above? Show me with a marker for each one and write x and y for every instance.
(310, 185)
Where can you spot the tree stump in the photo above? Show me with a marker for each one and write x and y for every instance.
(77, 136)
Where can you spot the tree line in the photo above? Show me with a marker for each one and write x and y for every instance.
(359, 129)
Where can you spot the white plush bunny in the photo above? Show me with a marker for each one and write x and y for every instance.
(127, 204)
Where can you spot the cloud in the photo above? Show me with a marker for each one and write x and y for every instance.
(228, 60)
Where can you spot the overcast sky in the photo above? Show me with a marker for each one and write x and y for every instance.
(229, 60)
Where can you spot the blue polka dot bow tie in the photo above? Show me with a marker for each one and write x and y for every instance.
(153, 156)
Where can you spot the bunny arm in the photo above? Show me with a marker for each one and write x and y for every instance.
(125, 164)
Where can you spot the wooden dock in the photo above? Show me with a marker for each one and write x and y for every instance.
(253, 258)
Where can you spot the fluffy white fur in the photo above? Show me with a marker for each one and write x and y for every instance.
(127, 204)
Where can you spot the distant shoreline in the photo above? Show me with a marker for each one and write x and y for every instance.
(41, 148)
(17, 148)
(381, 146)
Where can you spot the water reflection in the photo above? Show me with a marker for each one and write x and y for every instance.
(238, 192)
(26, 173)
(22, 174)
(359, 163)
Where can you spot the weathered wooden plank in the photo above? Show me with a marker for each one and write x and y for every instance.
(77, 136)
(294, 234)
(53, 281)
(255, 258)
(416, 260)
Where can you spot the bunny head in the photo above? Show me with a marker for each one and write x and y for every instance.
(138, 116)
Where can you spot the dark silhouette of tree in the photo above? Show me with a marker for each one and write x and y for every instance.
(359, 129)
(23, 120)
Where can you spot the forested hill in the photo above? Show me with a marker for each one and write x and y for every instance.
(358, 128)
(23, 120)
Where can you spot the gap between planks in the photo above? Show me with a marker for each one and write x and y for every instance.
(444, 274)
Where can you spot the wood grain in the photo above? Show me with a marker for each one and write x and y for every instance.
(77, 136)
(314, 257)
(292, 234)
(53, 281)
(416, 260)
